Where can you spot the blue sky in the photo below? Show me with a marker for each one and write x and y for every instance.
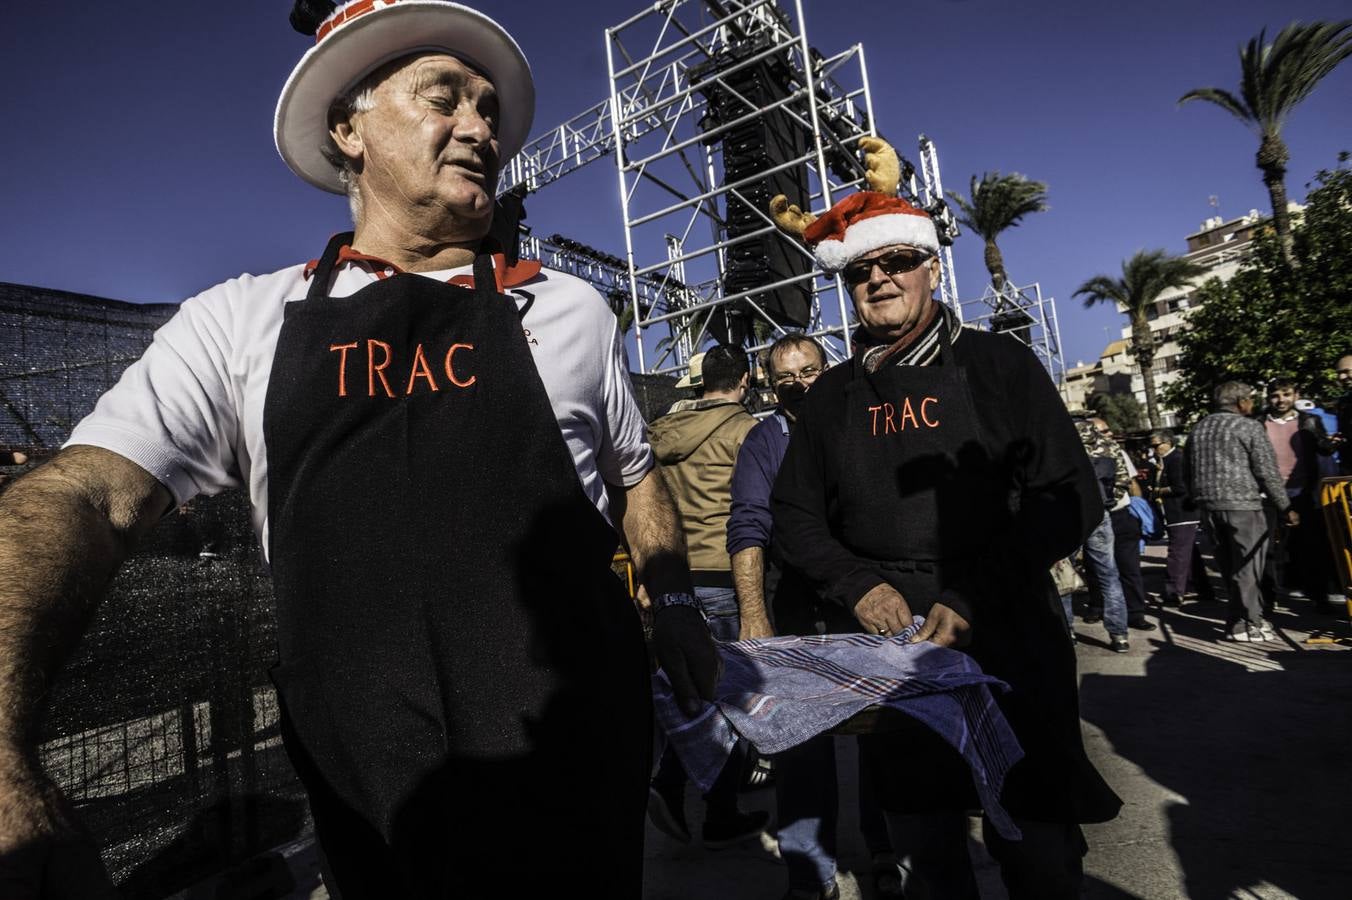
(138, 160)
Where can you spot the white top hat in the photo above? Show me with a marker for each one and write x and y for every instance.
(363, 35)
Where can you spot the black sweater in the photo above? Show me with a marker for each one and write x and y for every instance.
(1048, 498)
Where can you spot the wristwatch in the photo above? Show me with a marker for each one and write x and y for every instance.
(677, 598)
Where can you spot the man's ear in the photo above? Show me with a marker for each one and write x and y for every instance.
(935, 269)
(346, 137)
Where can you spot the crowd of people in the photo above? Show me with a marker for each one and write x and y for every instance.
(1246, 483)
(457, 661)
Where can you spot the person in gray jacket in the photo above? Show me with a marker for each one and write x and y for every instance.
(1233, 469)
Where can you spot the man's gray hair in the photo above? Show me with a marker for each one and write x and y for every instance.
(360, 98)
(1162, 436)
(1229, 393)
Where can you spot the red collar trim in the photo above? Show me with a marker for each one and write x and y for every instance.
(506, 276)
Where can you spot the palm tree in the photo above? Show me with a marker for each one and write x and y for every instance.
(1274, 78)
(999, 202)
(1144, 277)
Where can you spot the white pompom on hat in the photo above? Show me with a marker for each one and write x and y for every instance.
(360, 37)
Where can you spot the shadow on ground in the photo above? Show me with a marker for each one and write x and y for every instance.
(1254, 739)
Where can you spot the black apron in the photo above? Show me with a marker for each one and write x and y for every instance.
(463, 681)
(927, 497)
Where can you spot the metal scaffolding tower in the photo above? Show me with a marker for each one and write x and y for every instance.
(1026, 315)
(715, 105)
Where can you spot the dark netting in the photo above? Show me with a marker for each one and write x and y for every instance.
(163, 728)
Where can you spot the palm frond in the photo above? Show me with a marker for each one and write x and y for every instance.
(1222, 98)
(1275, 77)
(999, 202)
(1146, 275)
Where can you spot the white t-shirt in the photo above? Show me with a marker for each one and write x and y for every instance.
(190, 410)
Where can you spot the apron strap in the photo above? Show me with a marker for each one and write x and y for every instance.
(485, 279)
(323, 273)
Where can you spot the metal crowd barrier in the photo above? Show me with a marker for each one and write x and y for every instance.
(1336, 498)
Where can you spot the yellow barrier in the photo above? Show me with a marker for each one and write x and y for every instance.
(1336, 498)
(624, 567)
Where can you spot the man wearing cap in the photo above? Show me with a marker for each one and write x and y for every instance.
(435, 445)
(938, 474)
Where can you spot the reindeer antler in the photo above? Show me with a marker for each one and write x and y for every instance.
(883, 169)
(790, 219)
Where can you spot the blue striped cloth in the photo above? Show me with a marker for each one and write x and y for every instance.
(778, 692)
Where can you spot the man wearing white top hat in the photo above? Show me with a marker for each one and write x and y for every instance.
(435, 444)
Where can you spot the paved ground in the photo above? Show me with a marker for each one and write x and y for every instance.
(1235, 762)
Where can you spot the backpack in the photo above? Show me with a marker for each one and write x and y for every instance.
(1105, 470)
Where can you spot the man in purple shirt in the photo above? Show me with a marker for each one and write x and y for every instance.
(805, 785)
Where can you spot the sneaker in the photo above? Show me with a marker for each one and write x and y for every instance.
(828, 892)
(1118, 643)
(1092, 617)
(1141, 623)
(760, 774)
(720, 834)
(1245, 633)
(887, 877)
(1171, 600)
(1266, 629)
(666, 810)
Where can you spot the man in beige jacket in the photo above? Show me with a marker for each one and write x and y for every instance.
(697, 444)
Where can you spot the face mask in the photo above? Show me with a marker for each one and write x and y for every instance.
(791, 396)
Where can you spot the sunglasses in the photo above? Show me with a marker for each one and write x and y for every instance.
(896, 262)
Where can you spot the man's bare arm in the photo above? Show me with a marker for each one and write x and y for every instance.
(651, 527)
(64, 529)
(652, 530)
(748, 578)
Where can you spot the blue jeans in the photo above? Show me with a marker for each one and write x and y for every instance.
(1098, 553)
(720, 607)
(807, 799)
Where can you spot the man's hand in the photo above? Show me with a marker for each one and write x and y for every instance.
(883, 611)
(686, 652)
(1292, 518)
(44, 853)
(755, 628)
(944, 627)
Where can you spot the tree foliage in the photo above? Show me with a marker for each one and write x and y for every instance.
(1145, 276)
(1274, 79)
(1122, 412)
(1271, 320)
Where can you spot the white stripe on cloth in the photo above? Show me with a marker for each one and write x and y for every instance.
(779, 692)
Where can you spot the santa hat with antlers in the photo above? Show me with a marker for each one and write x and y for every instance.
(862, 222)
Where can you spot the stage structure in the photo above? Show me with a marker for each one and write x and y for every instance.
(715, 107)
(1025, 314)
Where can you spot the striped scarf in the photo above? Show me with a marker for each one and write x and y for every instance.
(919, 348)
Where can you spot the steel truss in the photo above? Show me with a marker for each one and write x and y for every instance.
(1027, 315)
(663, 63)
(656, 125)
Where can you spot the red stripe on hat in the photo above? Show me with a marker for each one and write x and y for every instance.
(347, 14)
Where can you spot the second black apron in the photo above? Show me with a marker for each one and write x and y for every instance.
(928, 498)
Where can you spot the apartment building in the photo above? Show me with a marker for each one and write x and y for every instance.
(1220, 245)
